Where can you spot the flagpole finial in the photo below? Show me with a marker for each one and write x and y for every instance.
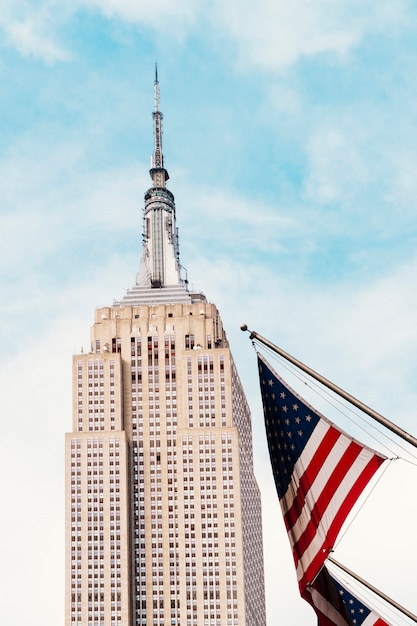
(244, 328)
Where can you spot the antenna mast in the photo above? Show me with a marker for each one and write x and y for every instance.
(157, 157)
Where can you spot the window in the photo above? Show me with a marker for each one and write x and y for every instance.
(189, 342)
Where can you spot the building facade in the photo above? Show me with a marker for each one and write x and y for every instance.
(163, 513)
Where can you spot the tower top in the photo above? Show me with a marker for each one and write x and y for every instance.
(159, 277)
(156, 88)
(158, 172)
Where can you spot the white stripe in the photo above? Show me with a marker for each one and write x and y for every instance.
(334, 505)
(371, 619)
(304, 461)
(318, 485)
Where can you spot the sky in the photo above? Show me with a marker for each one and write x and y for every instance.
(290, 136)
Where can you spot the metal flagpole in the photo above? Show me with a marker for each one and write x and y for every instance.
(374, 589)
(344, 394)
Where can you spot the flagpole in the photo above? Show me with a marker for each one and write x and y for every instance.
(374, 589)
(338, 390)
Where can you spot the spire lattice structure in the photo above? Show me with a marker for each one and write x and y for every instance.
(158, 173)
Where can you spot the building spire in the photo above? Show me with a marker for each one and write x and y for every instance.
(156, 88)
(158, 172)
(159, 277)
(160, 265)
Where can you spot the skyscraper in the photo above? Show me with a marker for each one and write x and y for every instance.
(163, 513)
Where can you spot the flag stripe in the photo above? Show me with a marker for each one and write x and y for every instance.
(326, 534)
(305, 460)
(320, 484)
(319, 472)
(310, 476)
(330, 490)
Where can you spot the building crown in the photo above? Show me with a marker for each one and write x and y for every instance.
(159, 277)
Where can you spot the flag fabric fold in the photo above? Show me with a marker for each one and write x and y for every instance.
(334, 604)
(319, 472)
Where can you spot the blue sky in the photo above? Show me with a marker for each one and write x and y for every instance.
(290, 136)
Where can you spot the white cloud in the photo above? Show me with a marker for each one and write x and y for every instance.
(31, 29)
(336, 165)
(165, 13)
(277, 33)
(50, 201)
(36, 411)
(235, 221)
(359, 169)
(35, 29)
(27, 37)
(269, 34)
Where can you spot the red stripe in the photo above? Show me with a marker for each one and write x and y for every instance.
(317, 561)
(310, 475)
(354, 493)
(343, 466)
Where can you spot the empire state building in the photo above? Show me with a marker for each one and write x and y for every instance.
(163, 512)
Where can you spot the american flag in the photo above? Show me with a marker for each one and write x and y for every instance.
(319, 472)
(335, 604)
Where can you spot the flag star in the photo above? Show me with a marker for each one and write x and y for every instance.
(285, 408)
(289, 434)
(297, 420)
(292, 446)
(361, 610)
(273, 396)
(308, 418)
(351, 601)
(300, 433)
(282, 394)
(295, 407)
(287, 422)
(270, 383)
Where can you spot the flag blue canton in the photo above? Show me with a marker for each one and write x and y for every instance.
(289, 424)
(357, 611)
